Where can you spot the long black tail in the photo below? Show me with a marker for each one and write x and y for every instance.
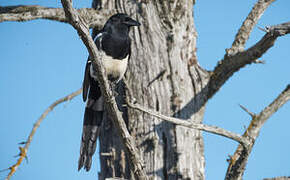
(91, 130)
(92, 124)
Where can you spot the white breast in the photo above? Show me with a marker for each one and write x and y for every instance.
(113, 67)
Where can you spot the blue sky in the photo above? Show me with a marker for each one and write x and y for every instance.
(43, 60)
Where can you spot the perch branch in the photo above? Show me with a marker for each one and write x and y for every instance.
(77, 22)
(23, 150)
(231, 64)
(203, 127)
(239, 159)
(27, 13)
(249, 23)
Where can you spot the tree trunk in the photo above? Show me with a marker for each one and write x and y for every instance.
(163, 75)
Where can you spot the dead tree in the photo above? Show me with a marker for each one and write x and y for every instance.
(164, 76)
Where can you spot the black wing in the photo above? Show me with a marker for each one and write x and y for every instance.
(86, 82)
(87, 77)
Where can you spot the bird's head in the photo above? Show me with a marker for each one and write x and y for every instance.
(120, 21)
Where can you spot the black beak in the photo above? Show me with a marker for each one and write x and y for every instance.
(131, 22)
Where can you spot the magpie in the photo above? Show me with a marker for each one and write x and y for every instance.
(115, 42)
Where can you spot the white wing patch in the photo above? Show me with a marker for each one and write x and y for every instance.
(98, 36)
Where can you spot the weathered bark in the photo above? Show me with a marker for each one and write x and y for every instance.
(164, 47)
(164, 76)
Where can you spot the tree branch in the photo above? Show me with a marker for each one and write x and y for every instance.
(77, 22)
(278, 178)
(231, 64)
(249, 23)
(203, 127)
(27, 13)
(23, 150)
(239, 159)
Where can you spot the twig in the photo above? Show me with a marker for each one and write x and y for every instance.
(203, 127)
(23, 150)
(27, 13)
(247, 111)
(262, 29)
(249, 23)
(239, 159)
(77, 22)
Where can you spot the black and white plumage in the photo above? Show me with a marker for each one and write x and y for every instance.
(114, 40)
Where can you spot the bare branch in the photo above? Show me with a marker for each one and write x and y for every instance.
(27, 13)
(279, 30)
(247, 111)
(249, 23)
(77, 22)
(231, 64)
(203, 127)
(273, 107)
(23, 150)
(239, 159)
(278, 178)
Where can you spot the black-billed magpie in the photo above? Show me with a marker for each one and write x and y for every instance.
(114, 40)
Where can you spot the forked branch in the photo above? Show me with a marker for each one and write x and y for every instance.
(239, 159)
(249, 23)
(231, 64)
